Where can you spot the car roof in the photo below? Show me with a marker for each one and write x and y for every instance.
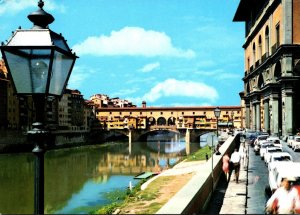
(273, 148)
(266, 142)
(286, 169)
(273, 138)
(279, 154)
(263, 135)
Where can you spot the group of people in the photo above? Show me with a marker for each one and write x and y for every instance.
(234, 162)
(285, 200)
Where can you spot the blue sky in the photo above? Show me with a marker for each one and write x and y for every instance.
(164, 52)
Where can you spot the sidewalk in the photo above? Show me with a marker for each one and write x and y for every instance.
(235, 199)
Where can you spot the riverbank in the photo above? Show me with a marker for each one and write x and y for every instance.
(158, 190)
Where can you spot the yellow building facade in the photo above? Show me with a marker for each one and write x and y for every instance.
(169, 117)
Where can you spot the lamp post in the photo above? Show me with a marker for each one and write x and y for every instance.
(39, 62)
(217, 113)
(232, 115)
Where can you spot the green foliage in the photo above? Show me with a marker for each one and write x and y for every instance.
(200, 154)
(107, 209)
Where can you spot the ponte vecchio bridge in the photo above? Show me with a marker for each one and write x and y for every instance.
(136, 122)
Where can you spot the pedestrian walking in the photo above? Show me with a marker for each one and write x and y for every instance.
(206, 157)
(236, 159)
(243, 154)
(225, 165)
(284, 199)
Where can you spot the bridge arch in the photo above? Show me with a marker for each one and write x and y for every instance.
(161, 121)
(172, 121)
(151, 121)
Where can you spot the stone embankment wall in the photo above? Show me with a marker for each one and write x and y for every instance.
(17, 141)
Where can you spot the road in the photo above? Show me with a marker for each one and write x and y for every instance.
(258, 180)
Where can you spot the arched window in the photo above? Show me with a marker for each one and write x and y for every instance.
(277, 72)
(259, 49)
(253, 55)
(260, 82)
(248, 64)
(267, 41)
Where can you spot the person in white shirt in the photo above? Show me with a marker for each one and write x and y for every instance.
(235, 159)
(284, 199)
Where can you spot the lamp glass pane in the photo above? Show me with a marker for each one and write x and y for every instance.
(217, 112)
(29, 69)
(59, 41)
(19, 68)
(39, 68)
(61, 70)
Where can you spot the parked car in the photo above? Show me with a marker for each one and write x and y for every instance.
(275, 140)
(290, 140)
(284, 170)
(296, 143)
(260, 138)
(279, 157)
(269, 151)
(258, 141)
(250, 137)
(263, 147)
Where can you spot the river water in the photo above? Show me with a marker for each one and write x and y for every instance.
(79, 180)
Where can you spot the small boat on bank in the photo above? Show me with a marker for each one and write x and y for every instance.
(145, 175)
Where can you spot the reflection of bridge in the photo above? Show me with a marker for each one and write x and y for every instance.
(191, 135)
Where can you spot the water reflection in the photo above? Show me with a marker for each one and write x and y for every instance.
(78, 180)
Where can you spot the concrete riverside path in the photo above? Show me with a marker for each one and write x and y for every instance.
(234, 201)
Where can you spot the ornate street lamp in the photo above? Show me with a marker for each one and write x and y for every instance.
(39, 62)
(217, 113)
(232, 115)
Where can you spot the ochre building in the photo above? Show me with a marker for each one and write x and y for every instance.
(271, 96)
(169, 117)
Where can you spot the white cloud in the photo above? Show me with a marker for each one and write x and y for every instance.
(15, 6)
(172, 87)
(133, 41)
(218, 74)
(150, 67)
(79, 74)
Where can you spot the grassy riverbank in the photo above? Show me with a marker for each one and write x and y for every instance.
(150, 200)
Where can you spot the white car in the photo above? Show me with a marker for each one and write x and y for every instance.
(279, 157)
(296, 143)
(275, 140)
(263, 147)
(290, 140)
(269, 151)
(260, 138)
(284, 170)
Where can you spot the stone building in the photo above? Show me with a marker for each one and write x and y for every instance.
(271, 96)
